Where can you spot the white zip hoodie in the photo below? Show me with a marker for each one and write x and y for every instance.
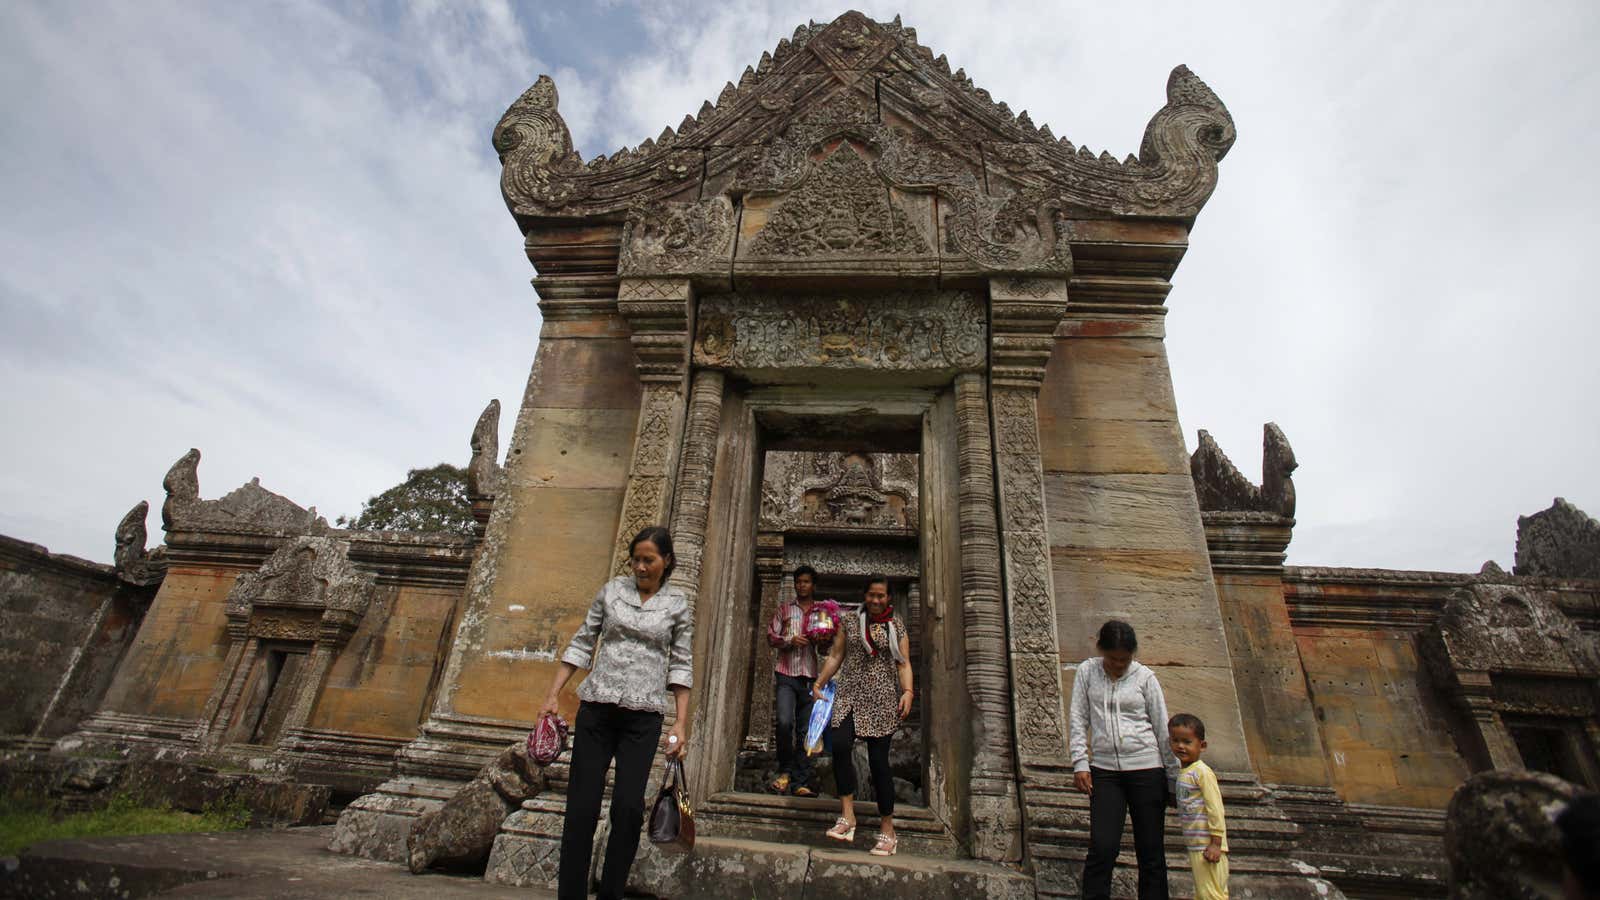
(1121, 723)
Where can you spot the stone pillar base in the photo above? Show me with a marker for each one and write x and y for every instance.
(527, 851)
(375, 826)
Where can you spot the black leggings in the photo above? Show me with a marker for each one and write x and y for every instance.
(844, 768)
(603, 731)
(1142, 795)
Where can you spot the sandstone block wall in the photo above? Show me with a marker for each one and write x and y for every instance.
(550, 541)
(64, 624)
(1125, 531)
(177, 658)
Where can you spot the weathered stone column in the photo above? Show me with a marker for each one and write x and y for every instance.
(769, 569)
(996, 810)
(1024, 313)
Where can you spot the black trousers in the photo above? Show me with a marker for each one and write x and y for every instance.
(844, 768)
(793, 697)
(1141, 794)
(601, 732)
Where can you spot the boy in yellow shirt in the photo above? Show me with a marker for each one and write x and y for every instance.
(1205, 832)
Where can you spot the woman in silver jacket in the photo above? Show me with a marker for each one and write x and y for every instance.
(644, 628)
(1121, 759)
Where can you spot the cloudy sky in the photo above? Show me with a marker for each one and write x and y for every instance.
(274, 232)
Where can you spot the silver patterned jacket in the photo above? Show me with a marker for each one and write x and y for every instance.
(643, 647)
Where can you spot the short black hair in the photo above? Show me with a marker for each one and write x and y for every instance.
(662, 538)
(875, 578)
(1117, 635)
(1189, 721)
(1579, 824)
(805, 570)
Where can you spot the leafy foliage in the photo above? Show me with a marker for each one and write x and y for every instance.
(428, 500)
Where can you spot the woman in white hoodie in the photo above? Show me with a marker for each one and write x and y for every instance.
(1121, 759)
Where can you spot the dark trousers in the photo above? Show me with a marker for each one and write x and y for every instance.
(844, 768)
(1141, 794)
(793, 697)
(603, 731)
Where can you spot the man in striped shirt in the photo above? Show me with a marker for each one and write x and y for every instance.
(796, 668)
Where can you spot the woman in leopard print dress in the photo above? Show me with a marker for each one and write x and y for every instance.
(872, 658)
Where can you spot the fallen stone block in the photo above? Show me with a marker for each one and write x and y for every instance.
(461, 833)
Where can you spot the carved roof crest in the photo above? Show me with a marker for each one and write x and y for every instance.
(248, 508)
(1221, 487)
(915, 123)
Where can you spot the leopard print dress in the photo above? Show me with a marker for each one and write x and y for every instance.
(868, 685)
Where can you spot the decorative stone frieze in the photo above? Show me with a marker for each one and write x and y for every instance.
(893, 332)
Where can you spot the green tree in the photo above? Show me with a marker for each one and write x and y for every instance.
(428, 500)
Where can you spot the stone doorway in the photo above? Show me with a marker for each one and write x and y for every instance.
(269, 693)
(848, 515)
(746, 565)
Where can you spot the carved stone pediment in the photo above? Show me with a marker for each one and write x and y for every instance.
(757, 333)
(1510, 629)
(308, 579)
(249, 508)
(927, 136)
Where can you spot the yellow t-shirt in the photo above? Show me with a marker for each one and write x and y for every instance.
(1200, 807)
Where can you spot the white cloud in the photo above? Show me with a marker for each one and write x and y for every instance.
(276, 234)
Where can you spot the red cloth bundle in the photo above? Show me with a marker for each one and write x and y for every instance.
(547, 740)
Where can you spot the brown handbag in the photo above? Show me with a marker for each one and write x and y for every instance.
(672, 819)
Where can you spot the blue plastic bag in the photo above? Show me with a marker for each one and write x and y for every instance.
(821, 713)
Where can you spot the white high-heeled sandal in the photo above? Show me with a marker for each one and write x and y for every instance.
(886, 845)
(847, 835)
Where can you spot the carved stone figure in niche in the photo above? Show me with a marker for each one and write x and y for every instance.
(850, 490)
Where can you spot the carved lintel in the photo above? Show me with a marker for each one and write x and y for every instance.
(307, 573)
(897, 331)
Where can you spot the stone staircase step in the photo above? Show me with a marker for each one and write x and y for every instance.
(721, 868)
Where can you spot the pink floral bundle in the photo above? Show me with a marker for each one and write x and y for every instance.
(822, 622)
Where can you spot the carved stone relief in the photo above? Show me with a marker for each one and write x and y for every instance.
(307, 573)
(897, 560)
(850, 490)
(662, 238)
(901, 331)
(842, 208)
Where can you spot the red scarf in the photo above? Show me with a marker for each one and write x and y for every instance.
(883, 619)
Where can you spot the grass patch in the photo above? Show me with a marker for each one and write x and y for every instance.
(23, 824)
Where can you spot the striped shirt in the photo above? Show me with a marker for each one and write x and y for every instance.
(787, 622)
(1200, 807)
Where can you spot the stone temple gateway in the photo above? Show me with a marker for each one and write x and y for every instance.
(855, 313)
(855, 248)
